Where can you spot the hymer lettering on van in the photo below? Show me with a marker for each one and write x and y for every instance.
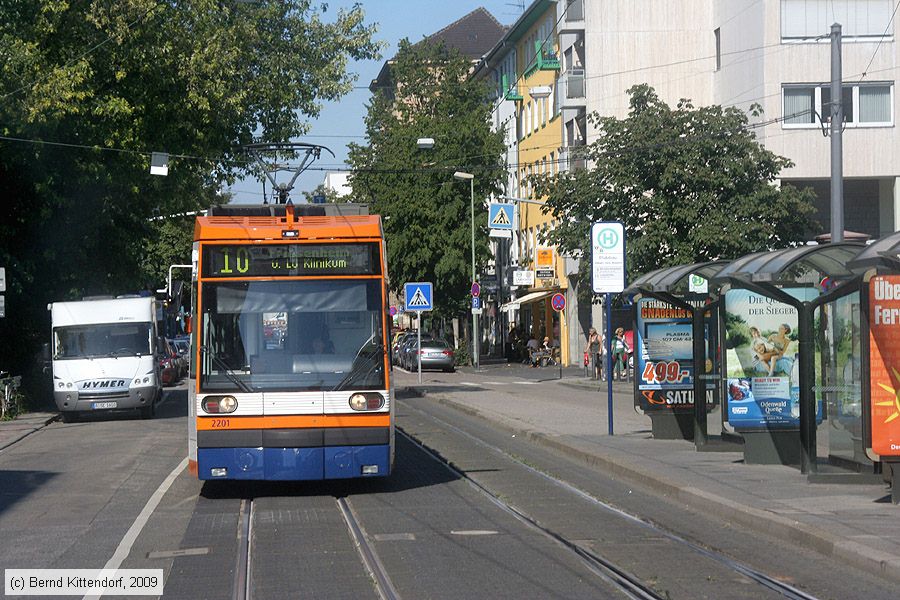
(102, 384)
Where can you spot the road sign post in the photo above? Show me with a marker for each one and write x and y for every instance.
(558, 302)
(419, 298)
(608, 277)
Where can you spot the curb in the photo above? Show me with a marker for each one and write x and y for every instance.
(873, 561)
(25, 434)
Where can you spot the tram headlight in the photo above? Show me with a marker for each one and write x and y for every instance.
(358, 402)
(366, 401)
(219, 404)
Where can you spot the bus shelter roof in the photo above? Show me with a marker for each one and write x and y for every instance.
(800, 264)
(883, 252)
(673, 279)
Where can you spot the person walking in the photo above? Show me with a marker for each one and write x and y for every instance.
(593, 352)
(620, 355)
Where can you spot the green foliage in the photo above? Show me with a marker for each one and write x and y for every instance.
(690, 185)
(330, 194)
(427, 213)
(195, 78)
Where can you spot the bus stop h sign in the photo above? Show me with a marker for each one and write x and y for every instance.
(607, 257)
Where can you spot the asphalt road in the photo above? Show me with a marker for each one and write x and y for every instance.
(76, 496)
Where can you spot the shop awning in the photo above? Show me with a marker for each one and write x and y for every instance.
(526, 299)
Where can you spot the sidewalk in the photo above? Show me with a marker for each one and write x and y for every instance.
(23, 426)
(855, 523)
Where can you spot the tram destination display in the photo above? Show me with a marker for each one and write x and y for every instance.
(290, 260)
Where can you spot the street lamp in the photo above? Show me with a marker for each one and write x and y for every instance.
(463, 176)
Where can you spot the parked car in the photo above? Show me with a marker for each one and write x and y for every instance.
(436, 354)
(168, 368)
(180, 360)
(396, 343)
(182, 346)
(408, 351)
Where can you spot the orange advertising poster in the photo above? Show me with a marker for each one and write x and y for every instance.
(544, 258)
(884, 361)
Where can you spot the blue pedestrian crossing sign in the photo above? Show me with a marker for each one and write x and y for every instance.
(500, 216)
(418, 296)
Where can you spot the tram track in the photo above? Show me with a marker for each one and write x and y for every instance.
(609, 571)
(242, 587)
(367, 552)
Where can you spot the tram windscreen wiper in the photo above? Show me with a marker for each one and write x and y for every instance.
(368, 359)
(227, 371)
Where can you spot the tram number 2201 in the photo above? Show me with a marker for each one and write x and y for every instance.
(664, 372)
(220, 423)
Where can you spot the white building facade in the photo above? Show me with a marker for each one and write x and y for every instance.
(775, 53)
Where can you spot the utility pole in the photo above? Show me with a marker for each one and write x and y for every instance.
(837, 150)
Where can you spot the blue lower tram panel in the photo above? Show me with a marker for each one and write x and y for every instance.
(294, 464)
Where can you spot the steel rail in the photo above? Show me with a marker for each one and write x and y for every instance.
(631, 585)
(241, 587)
(369, 557)
(763, 579)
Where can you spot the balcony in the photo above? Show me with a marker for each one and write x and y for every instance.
(545, 59)
(570, 89)
(510, 92)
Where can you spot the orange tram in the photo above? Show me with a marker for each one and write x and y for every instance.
(289, 377)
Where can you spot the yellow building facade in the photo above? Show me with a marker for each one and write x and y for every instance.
(539, 136)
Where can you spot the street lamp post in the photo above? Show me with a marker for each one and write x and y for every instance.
(462, 176)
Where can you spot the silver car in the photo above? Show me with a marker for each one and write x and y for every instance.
(436, 354)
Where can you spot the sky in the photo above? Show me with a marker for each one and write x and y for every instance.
(341, 122)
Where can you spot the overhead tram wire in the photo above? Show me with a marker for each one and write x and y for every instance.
(90, 50)
(880, 40)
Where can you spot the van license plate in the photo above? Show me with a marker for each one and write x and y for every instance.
(96, 405)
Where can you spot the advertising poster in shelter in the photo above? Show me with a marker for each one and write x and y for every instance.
(665, 357)
(884, 364)
(761, 358)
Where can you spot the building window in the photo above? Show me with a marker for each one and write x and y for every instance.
(864, 105)
(804, 19)
(718, 35)
(874, 105)
(799, 106)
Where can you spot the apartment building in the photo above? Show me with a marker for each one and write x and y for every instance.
(775, 53)
(525, 67)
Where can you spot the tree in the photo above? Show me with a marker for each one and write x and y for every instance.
(690, 185)
(427, 214)
(95, 86)
(330, 194)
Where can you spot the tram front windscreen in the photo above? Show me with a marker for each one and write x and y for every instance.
(324, 334)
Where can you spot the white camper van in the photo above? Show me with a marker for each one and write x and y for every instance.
(104, 356)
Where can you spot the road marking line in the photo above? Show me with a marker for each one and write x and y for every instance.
(527, 382)
(134, 531)
(474, 532)
(469, 384)
(174, 553)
